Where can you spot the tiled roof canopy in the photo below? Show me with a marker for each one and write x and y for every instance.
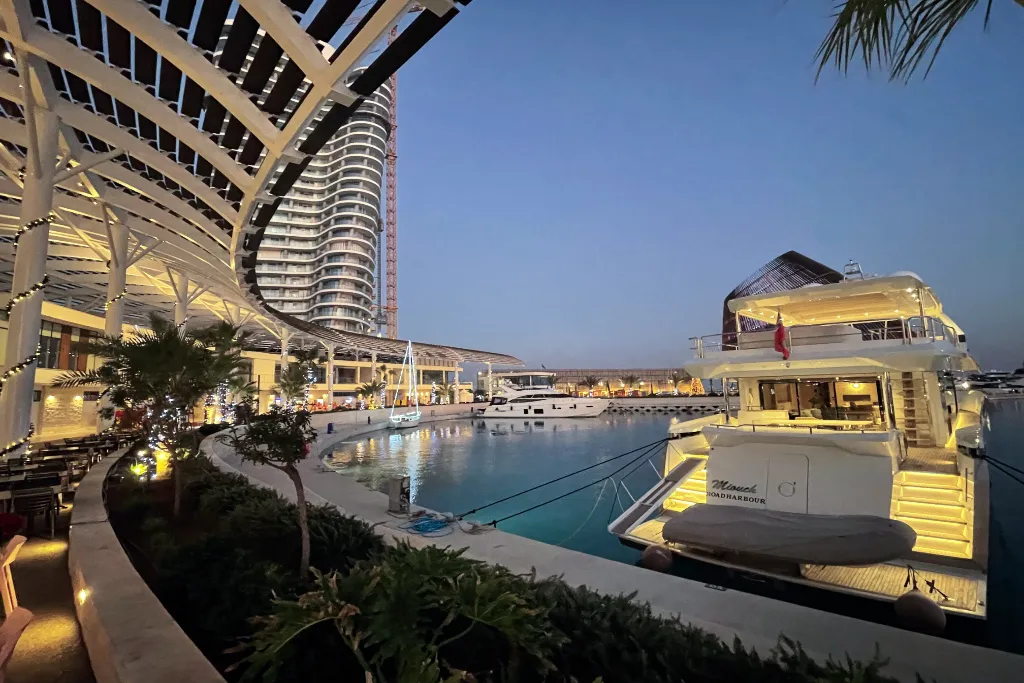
(159, 132)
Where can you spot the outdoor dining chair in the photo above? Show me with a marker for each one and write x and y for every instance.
(11, 630)
(32, 502)
(10, 552)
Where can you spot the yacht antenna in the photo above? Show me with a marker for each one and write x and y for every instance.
(852, 271)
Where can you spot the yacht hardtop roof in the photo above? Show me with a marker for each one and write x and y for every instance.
(873, 298)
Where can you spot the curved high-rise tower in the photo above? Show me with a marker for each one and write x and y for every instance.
(320, 256)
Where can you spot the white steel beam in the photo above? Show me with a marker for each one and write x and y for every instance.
(97, 126)
(63, 54)
(84, 166)
(138, 21)
(279, 24)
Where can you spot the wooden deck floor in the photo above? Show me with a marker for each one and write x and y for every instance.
(930, 460)
(887, 579)
(884, 581)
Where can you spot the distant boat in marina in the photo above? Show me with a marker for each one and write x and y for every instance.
(511, 401)
(409, 419)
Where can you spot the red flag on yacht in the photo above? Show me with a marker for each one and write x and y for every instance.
(781, 341)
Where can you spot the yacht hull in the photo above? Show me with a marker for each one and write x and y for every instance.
(405, 424)
(549, 408)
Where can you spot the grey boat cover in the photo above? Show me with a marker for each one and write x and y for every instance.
(792, 536)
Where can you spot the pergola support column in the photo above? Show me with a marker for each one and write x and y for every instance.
(330, 346)
(117, 240)
(456, 383)
(285, 337)
(180, 286)
(25, 316)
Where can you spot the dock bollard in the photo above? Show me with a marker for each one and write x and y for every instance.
(330, 427)
(398, 495)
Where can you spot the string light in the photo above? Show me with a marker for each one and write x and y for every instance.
(16, 368)
(17, 299)
(15, 445)
(30, 225)
(116, 298)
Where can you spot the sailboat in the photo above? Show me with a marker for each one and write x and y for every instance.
(409, 419)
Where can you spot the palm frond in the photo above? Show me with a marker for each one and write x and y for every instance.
(897, 35)
(81, 378)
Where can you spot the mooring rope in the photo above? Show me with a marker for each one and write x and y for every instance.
(649, 448)
(566, 476)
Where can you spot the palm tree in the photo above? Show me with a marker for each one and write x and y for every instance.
(629, 381)
(164, 373)
(298, 375)
(676, 377)
(590, 382)
(897, 35)
(445, 391)
(370, 391)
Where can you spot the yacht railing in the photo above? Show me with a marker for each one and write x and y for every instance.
(909, 331)
(795, 426)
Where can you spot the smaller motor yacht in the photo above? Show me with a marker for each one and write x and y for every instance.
(540, 401)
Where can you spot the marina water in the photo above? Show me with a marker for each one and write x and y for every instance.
(458, 465)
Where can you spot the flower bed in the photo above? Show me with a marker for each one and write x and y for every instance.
(402, 614)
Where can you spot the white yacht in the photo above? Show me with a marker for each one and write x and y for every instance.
(846, 466)
(540, 401)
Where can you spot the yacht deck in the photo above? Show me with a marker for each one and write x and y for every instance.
(930, 459)
(964, 590)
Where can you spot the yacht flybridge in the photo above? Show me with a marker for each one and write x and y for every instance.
(846, 466)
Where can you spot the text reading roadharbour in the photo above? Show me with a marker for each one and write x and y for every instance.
(726, 490)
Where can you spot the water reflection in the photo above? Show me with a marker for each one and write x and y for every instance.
(457, 465)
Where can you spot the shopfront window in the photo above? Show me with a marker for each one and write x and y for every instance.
(49, 345)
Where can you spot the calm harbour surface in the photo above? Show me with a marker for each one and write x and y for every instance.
(459, 465)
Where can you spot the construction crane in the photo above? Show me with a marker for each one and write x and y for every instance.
(387, 316)
(391, 212)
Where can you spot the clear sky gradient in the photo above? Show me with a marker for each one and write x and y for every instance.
(582, 183)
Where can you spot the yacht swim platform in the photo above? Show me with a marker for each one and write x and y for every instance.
(886, 582)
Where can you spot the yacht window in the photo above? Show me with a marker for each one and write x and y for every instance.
(525, 399)
(498, 401)
(858, 400)
(779, 396)
(815, 398)
(850, 399)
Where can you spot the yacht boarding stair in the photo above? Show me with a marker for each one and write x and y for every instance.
(938, 509)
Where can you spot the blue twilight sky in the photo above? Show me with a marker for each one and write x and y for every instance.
(581, 183)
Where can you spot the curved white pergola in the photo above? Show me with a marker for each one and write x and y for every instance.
(140, 166)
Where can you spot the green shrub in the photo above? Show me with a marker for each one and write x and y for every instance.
(414, 616)
(620, 641)
(213, 588)
(410, 616)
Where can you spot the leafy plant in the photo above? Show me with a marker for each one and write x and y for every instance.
(409, 618)
(899, 35)
(629, 381)
(164, 372)
(370, 391)
(446, 391)
(591, 383)
(282, 442)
